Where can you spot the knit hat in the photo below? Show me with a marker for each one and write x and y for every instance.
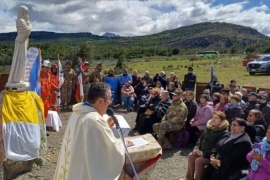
(263, 96)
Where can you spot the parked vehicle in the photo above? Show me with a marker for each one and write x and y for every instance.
(246, 61)
(260, 65)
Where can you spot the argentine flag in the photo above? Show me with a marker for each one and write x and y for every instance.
(34, 76)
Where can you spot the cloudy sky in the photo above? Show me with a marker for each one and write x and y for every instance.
(134, 17)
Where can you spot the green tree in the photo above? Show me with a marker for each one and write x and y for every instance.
(233, 50)
(120, 62)
(86, 50)
(175, 51)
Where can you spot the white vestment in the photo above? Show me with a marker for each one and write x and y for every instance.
(89, 149)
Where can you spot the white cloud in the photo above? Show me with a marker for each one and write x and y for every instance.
(131, 17)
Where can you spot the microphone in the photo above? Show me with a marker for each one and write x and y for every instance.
(110, 113)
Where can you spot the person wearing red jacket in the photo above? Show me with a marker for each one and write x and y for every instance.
(45, 82)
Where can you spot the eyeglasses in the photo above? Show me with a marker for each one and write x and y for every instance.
(107, 98)
(235, 125)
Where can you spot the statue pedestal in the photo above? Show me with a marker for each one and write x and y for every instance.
(20, 85)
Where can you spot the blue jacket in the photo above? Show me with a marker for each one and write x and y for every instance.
(124, 78)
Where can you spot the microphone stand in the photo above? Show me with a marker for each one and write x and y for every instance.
(127, 153)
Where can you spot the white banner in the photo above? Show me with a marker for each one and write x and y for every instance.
(32, 54)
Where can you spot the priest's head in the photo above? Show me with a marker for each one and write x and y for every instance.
(99, 96)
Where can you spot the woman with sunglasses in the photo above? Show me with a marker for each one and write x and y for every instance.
(229, 157)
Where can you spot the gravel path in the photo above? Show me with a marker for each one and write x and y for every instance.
(172, 165)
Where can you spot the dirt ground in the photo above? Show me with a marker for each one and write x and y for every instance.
(172, 165)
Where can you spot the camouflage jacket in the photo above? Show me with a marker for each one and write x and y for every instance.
(176, 113)
(70, 77)
(96, 77)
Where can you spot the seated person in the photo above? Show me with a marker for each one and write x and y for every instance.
(264, 107)
(191, 106)
(173, 120)
(242, 103)
(171, 88)
(149, 105)
(251, 104)
(234, 110)
(184, 95)
(225, 92)
(214, 86)
(255, 117)
(232, 86)
(229, 156)
(216, 98)
(199, 157)
(159, 85)
(244, 95)
(223, 104)
(142, 92)
(149, 118)
(260, 161)
(198, 123)
(128, 95)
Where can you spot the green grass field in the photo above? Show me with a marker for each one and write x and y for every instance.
(225, 69)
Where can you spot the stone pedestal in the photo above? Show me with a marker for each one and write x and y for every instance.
(19, 86)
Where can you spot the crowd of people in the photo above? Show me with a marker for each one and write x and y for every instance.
(223, 123)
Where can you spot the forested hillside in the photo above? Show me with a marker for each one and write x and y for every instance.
(223, 37)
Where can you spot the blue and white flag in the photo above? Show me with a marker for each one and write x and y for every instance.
(34, 76)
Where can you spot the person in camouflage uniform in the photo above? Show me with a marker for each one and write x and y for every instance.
(68, 86)
(173, 120)
(97, 75)
(86, 72)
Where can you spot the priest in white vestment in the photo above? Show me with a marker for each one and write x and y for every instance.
(89, 149)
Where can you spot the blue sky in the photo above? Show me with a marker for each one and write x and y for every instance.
(249, 4)
(134, 17)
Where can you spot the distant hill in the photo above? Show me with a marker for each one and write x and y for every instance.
(198, 36)
(107, 34)
(205, 36)
(41, 36)
(187, 40)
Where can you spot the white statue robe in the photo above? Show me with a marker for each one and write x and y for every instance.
(17, 71)
(89, 149)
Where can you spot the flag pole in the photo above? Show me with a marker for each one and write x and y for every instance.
(40, 63)
(58, 93)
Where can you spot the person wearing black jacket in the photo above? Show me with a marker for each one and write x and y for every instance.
(234, 109)
(255, 117)
(190, 80)
(251, 104)
(163, 79)
(264, 107)
(229, 157)
(142, 92)
(191, 106)
(214, 86)
(146, 121)
(150, 106)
